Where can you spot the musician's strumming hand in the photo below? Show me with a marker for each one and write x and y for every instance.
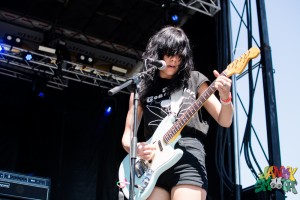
(223, 85)
(145, 151)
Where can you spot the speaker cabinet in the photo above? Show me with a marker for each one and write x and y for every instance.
(20, 186)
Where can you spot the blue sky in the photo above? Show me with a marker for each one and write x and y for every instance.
(284, 32)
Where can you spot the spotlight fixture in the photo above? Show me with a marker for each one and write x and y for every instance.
(109, 106)
(5, 47)
(84, 59)
(90, 60)
(12, 40)
(41, 94)
(28, 56)
(39, 85)
(108, 110)
(173, 11)
(175, 18)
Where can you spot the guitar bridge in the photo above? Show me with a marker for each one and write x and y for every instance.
(146, 179)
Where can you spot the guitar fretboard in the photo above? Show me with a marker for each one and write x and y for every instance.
(237, 66)
(187, 115)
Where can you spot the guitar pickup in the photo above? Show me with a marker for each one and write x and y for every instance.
(140, 168)
(160, 145)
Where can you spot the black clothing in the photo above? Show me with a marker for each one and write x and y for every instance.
(190, 169)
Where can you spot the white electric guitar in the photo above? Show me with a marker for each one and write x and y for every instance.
(166, 136)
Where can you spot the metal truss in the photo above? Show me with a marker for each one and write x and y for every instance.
(57, 73)
(207, 7)
(249, 127)
(122, 53)
(264, 70)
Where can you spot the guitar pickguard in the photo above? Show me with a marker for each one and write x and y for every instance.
(147, 173)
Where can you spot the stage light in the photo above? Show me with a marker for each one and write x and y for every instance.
(28, 57)
(173, 11)
(6, 47)
(84, 59)
(41, 94)
(8, 38)
(108, 110)
(175, 18)
(90, 60)
(39, 85)
(18, 40)
(174, 15)
(12, 40)
(109, 106)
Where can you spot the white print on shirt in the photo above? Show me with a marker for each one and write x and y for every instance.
(190, 92)
(163, 107)
(188, 100)
(161, 110)
(166, 105)
(152, 98)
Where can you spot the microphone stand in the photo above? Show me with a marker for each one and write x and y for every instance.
(134, 81)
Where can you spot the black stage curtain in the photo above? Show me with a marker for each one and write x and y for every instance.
(63, 136)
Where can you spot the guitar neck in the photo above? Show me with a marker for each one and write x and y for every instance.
(237, 66)
(186, 116)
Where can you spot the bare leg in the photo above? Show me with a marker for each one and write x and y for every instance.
(189, 192)
(159, 194)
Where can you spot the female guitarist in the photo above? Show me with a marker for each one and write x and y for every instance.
(187, 178)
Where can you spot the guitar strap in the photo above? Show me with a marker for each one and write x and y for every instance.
(176, 100)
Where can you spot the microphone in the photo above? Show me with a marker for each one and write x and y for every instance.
(159, 64)
(153, 64)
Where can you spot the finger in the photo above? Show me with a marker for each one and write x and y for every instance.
(150, 146)
(148, 155)
(216, 73)
(221, 82)
(148, 152)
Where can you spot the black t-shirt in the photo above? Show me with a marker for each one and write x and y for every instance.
(158, 106)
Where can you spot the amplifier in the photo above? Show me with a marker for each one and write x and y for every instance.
(21, 186)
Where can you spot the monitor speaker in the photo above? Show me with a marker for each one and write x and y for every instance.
(20, 186)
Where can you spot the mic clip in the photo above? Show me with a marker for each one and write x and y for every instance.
(157, 64)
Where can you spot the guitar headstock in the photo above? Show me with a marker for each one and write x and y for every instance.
(238, 65)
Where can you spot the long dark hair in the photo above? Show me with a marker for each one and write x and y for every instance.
(168, 41)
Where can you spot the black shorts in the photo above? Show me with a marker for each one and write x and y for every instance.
(190, 169)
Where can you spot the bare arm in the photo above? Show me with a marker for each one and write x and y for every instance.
(126, 139)
(220, 112)
(144, 150)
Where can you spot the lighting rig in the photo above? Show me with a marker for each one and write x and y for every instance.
(23, 64)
